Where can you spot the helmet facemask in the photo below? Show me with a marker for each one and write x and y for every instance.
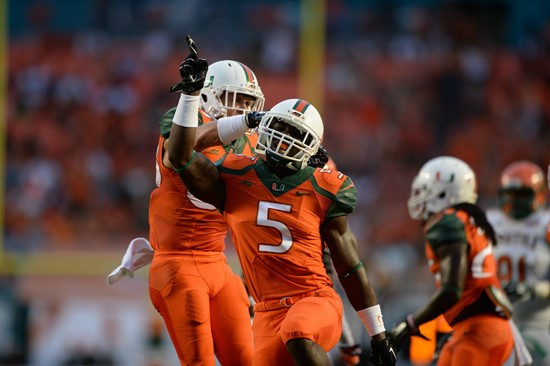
(229, 101)
(518, 203)
(285, 142)
(417, 201)
(522, 189)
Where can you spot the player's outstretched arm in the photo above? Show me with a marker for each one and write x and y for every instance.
(349, 350)
(226, 129)
(453, 259)
(343, 248)
(198, 173)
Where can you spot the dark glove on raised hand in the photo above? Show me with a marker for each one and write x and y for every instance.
(440, 343)
(401, 333)
(253, 119)
(192, 70)
(319, 159)
(382, 353)
(518, 291)
(350, 355)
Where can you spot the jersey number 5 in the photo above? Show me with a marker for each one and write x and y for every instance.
(263, 220)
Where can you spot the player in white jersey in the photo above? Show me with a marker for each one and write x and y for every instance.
(522, 225)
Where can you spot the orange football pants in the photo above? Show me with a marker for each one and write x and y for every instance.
(317, 317)
(482, 340)
(421, 351)
(204, 306)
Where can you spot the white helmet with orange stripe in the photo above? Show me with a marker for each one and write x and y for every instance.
(441, 183)
(226, 82)
(290, 133)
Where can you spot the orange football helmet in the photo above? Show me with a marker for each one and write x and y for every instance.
(522, 189)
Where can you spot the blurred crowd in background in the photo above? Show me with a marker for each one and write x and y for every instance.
(403, 84)
(88, 82)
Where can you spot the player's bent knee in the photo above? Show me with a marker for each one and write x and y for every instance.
(304, 351)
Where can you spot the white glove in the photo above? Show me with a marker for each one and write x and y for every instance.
(139, 254)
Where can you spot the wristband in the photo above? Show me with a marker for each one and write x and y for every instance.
(193, 156)
(231, 128)
(371, 318)
(352, 271)
(187, 111)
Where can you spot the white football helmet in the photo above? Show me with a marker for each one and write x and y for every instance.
(283, 150)
(233, 78)
(442, 182)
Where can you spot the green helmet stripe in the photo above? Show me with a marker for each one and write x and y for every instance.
(301, 106)
(248, 73)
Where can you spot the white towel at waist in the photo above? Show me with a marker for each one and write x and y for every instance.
(138, 254)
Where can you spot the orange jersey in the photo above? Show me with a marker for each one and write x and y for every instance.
(275, 223)
(177, 219)
(454, 226)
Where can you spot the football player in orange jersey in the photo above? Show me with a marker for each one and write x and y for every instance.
(203, 303)
(279, 212)
(458, 246)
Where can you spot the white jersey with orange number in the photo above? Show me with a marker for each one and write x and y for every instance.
(523, 255)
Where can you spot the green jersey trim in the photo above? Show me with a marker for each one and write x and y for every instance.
(345, 200)
(278, 186)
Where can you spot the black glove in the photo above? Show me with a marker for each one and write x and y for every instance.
(401, 333)
(519, 291)
(319, 159)
(440, 343)
(192, 70)
(253, 119)
(382, 353)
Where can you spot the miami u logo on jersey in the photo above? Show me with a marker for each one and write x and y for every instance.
(277, 187)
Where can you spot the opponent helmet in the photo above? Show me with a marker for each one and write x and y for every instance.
(442, 182)
(224, 81)
(292, 148)
(522, 189)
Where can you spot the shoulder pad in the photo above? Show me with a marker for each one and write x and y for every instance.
(446, 227)
(330, 180)
(237, 161)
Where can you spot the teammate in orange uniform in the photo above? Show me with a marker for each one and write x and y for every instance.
(459, 250)
(279, 212)
(203, 303)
